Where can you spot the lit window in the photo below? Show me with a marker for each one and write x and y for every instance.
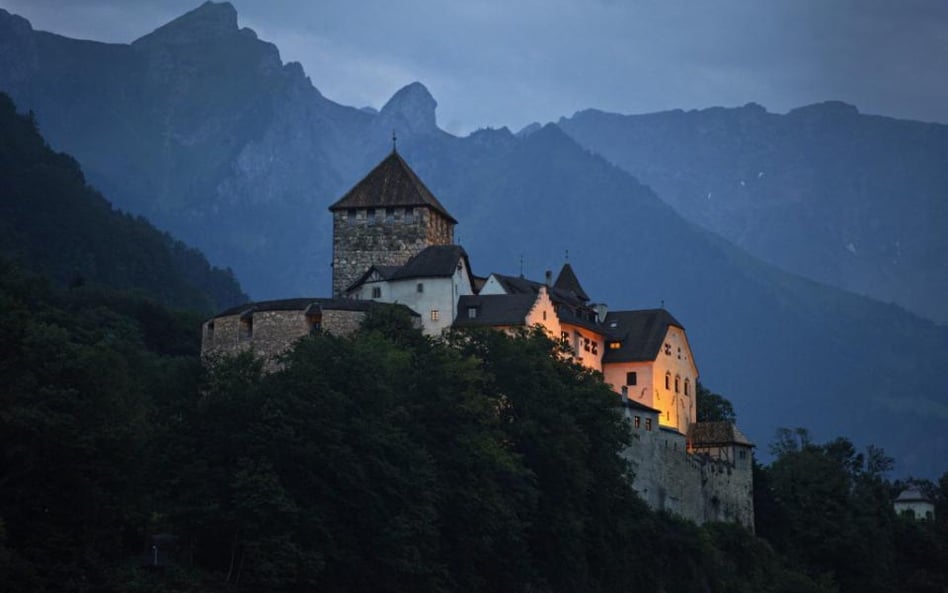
(615, 345)
(631, 378)
(435, 315)
(420, 287)
(564, 336)
(376, 292)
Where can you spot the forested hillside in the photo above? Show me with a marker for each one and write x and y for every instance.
(56, 224)
(480, 463)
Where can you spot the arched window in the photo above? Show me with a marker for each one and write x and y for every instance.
(667, 380)
(677, 383)
(687, 391)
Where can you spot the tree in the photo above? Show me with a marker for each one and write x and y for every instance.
(713, 407)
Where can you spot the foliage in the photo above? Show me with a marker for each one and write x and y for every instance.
(828, 509)
(713, 407)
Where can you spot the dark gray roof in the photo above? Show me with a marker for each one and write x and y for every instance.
(433, 262)
(391, 184)
(912, 495)
(385, 272)
(716, 434)
(641, 334)
(494, 309)
(568, 282)
(302, 304)
(629, 403)
(520, 285)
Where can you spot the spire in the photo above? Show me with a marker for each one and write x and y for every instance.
(568, 281)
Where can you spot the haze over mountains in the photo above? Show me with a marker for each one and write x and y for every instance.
(201, 128)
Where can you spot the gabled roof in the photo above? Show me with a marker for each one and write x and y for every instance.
(568, 282)
(391, 184)
(385, 272)
(521, 285)
(303, 304)
(433, 262)
(716, 434)
(494, 309)
(641, 334)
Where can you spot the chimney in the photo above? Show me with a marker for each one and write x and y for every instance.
(601, 310)
(549, 278)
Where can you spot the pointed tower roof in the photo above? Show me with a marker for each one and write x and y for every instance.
(568, 281)
(391, 184)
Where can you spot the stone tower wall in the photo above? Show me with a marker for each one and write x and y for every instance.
(359, 243)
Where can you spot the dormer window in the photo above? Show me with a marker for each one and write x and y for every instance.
(615, 345)
(472, 312)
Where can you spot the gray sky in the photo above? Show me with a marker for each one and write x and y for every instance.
(508, 62)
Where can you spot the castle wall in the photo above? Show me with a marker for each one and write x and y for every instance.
(270, 333)
(695, 487)
(389, 239)
(615, 374)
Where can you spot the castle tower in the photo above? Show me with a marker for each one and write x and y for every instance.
(385, 220)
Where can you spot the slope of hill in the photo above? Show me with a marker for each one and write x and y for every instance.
(255, 171)
(56, 224)
(852, 200)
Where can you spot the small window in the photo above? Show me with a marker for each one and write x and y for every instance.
(564, 336)
(637, 421)
(595, 347)
(376, 292)
(435, 315)
(370, 216)
(420, 287)
(586, 344)
(351, 216)
(687, 390)
(246, 327)
(667, 380)
(472, 312)
(648, 424)
(544, 316)
(210, 331)
(315, 323)
(677, 381)
(409, 215)
(615, 345)
(389, 215)
(742, 454)
(631, 378)
(679, 353)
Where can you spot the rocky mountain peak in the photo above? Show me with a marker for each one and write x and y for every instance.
(412, 106)
(211, 20)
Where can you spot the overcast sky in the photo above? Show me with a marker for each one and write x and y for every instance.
(511, 62)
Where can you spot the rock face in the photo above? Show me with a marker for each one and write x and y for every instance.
(851, 200)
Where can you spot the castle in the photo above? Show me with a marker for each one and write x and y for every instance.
(393, 245)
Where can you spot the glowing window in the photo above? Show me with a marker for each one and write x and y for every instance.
(615, 345)
(435, 315)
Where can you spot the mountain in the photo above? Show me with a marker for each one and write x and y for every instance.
(855, 201)
(209, 134)
(53, 223)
